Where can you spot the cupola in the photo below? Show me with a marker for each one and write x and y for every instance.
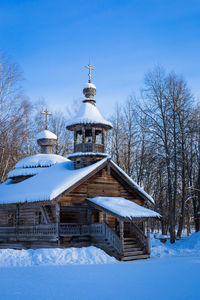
(89, 128)
(46, 139)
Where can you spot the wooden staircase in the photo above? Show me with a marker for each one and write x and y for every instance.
(132, 250)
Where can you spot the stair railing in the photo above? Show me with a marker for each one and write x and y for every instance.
(141, 237)
(112, 237)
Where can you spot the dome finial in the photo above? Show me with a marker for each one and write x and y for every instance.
(46, 113)
(89, 66)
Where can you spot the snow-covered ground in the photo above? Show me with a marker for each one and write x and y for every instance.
(88, 273)
(54, 257)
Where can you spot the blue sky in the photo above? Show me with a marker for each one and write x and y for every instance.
(53, 41)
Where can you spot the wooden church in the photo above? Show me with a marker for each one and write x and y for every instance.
(82, 200)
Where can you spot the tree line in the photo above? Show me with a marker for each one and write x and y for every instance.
(155, 139)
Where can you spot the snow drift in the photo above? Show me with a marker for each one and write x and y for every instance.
(189, 247)
(56, 257)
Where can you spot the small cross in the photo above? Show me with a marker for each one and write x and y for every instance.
(89, 66)
(46, 113)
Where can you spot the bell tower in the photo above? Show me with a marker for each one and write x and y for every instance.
(89, 129)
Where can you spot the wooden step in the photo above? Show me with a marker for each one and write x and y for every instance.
(131, 253)
(135, 257)
(129, 239)
(130, 245)
(132, 249)
(129, 242)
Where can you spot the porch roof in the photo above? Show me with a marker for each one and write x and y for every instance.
(122, 208)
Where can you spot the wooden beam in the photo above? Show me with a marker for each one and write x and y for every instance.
(83, 134)
(93, 135)
(104, 217)
(108, 167)
(89, 215)
(121, 231)
(58, 221)
(103, 136)
(44, 215)
(148, 237)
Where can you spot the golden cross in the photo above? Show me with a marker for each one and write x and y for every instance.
(46, 113)
(89, 66)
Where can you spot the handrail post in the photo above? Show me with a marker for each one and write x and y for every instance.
(121, 228)
(148, 237)
(89, 211)
(104, 223)
(57, 222)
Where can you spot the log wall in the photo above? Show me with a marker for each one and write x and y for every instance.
(101, 184)
(27, 214)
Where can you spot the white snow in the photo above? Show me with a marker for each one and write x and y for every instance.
(137, 187)
(25, 172)
(46, 134)
(87, 153)
(88, 114)
(47, 185)
(50, 182)
(92, 255)
(186, 247)
(40, 160)
(56, 257)
(89, 85)
(124, 207)
(57, 274)
(35, 164)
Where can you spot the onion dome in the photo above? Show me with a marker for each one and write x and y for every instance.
(46, 140)
(89, 92)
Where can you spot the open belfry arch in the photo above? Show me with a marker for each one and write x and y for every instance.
(82, 200)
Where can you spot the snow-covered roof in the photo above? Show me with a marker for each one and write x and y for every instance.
(123, 207)
(40, 160)
(46, 134)
(88, 114)
(47, 185)
(89, 85)
(24, 172)
(51, 182)
(34, 164)
(132, 182)
(87, 153)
